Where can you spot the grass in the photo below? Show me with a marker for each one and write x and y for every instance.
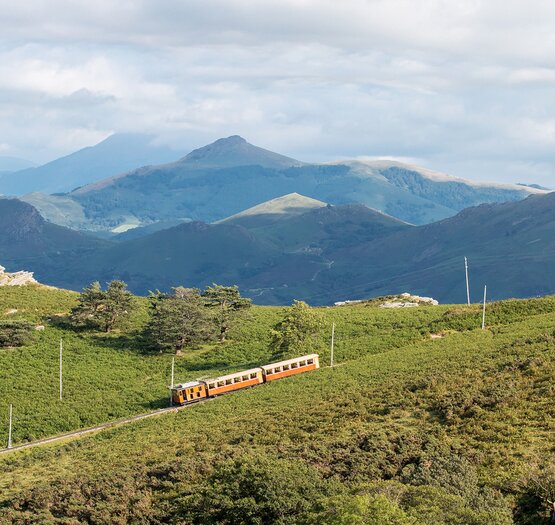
(480, 399)
(108, 377)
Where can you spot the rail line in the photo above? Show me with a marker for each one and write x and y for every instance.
(110, 424)
(102, 426)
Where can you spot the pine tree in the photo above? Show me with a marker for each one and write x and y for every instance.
(179, 320)
(118, 303)
(227, 304)
(103, 309)
(90, 302)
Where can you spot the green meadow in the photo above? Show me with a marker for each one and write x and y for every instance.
(426, 419)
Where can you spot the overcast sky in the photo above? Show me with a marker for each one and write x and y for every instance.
(466, 87)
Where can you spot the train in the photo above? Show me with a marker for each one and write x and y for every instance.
(194, 391)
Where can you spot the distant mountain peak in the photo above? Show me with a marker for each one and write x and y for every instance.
(276, 209)
(236, 151)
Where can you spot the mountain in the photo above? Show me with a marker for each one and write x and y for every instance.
(325, 254)
(192, 254)
(231, 175)
(278, 209)
(236, 151)
(10, 164)
(116, 154)
(510, 247)
(51, 251)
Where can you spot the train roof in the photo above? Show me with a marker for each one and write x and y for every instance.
(187, 385)
(235, 374)
(289, 361)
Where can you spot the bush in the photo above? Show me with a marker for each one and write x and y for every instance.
(15, 333)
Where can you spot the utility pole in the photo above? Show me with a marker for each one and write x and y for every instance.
(332, 341)
(171, 387)
(467, 285)
(61, 384)
(10, 429)
(484, 309)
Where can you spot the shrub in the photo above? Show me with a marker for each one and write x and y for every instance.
(15, 333)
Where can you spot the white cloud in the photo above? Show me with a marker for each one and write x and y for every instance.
(461, 82)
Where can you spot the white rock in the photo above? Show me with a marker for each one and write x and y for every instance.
(16, 278)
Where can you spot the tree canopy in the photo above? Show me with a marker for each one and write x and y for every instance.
(227, 304)
(298, 330)
(178, 320)
(101, 309)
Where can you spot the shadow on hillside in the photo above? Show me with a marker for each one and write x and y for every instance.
(133, 342)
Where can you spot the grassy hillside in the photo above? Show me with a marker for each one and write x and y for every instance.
(410, 429)
(110, 376)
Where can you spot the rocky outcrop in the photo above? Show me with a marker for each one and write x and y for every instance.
(406, 300)
(16, 278)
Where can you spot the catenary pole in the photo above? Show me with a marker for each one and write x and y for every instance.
(61, 377)
(10, 428)
(332, 342)
(173, 369)
(467, 283)
(484, 309)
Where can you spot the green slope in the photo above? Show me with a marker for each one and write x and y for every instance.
(433, 431)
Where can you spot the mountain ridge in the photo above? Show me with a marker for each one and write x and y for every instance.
(117, 153)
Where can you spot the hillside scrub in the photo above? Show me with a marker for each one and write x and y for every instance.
(408, 430)
(15, 333)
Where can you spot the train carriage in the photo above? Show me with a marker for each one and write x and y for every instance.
(193, 391)
(189, 392)
(236, 381)
(290, 367)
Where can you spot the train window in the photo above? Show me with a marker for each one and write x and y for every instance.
(269, 371)
(285, 367)
(245, 378)
(277, 370)
(237, 380)
(221, 383)
(253, 375)
(198, 394)
(228, 381)
(294, 365)
(212, 385)
(310, 361)
(302, 363)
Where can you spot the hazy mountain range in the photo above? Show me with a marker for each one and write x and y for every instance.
(296, 247)
(230, 175)
(116, 154)
(11, 164)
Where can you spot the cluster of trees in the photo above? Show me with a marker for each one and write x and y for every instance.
(103, 309)
(187, 317)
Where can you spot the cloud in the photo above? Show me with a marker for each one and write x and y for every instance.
(463, 83)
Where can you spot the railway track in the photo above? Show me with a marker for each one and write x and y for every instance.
(96, 428)
(102, 426)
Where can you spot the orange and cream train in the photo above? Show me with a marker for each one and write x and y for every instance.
(197, 390)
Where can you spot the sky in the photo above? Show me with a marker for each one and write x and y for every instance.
(464, 87)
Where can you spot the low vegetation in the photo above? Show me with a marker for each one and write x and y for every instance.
(407, 429)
